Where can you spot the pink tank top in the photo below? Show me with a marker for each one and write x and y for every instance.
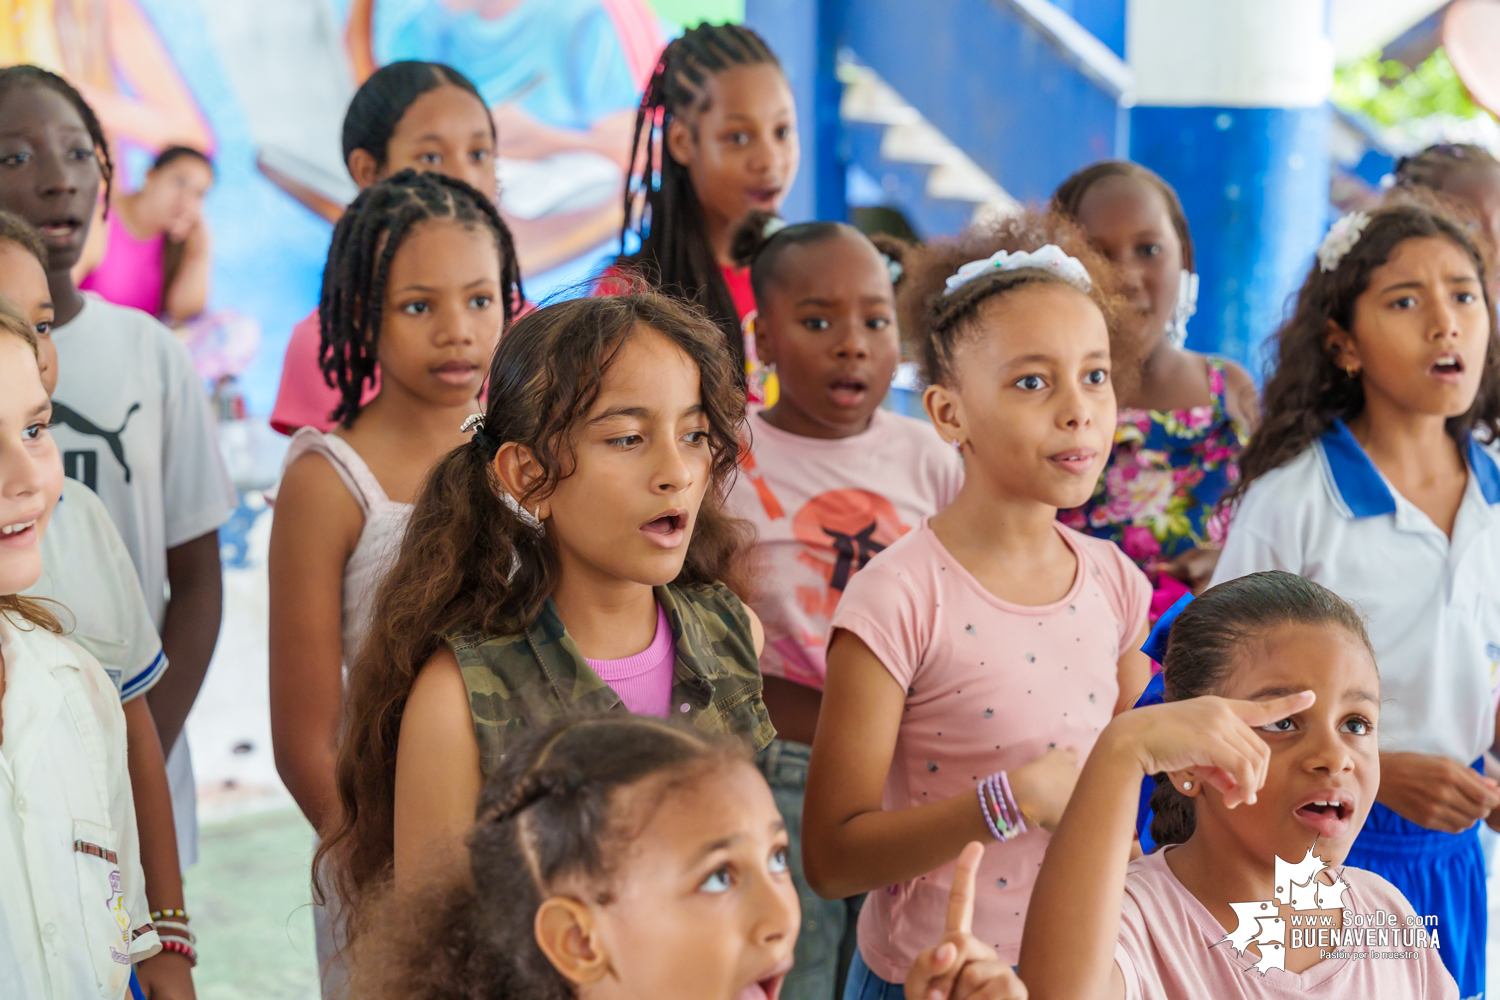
(644, 681)
(131, 272)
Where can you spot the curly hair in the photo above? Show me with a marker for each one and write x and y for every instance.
(365, 242)
(469, 562)
(549, 814)
(1308, 391)
(661, 207)
(13, 77)
(941, 323)
(14, 229)
(1431, 167)
(1203, 641)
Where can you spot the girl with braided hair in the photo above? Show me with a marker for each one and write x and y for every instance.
(421, 279)
(715, 138)
(1464, 173)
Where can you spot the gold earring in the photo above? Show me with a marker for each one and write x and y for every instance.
(1352, 371)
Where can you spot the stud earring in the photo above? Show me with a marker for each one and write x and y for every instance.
(1187, 786)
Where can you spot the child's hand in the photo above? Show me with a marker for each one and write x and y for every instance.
(1195, 567)
(962, 967)
(166, 975)
(1043, 787)
(1436, 791)
(1213, 737)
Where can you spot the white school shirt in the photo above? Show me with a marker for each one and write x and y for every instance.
(73, 912)
(1432, 604)
(132, 421)
(86, 569)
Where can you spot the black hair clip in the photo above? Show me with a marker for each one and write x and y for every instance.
(486, 444)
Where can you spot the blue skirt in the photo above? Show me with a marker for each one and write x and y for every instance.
(1442, 875)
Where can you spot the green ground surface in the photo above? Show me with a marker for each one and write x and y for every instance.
(249, 899)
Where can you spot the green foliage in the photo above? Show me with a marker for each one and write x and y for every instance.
(1391, 94)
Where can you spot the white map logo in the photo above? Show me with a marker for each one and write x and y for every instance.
(1297, 886)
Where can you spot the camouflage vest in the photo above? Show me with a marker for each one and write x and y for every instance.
(532, 677)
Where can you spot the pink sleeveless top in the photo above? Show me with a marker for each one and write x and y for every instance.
(379, 541)
(131, 272)
(644, 681)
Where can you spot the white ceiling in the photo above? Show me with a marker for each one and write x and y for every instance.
(1360, 27)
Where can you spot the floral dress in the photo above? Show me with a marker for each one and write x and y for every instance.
(1158, 496)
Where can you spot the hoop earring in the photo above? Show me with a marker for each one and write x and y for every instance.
(1352, 371)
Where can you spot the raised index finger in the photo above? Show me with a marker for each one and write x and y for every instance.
(961, 896)
(1263, 713)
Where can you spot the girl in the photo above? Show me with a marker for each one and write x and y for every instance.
(154, 254)
(828, 479)
(1467, 173)
(435, 255)
(86, 568)
(989, 621)
(1267, 760)
(75, 919)
(131, 418)
(615, 856)
(1366, 477)
(1184, 422)
(727, 146)
(418, 115)
(566, 559)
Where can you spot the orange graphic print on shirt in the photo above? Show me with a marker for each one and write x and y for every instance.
(841, 531)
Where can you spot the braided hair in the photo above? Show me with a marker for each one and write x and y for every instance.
(14, 77)
(1202, 644)
(359, 261)
(547, 815)
(661, 207)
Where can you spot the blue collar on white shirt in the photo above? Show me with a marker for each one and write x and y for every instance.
(1361, 489)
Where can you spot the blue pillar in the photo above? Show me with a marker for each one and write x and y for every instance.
(1231, 108)
(805, 35)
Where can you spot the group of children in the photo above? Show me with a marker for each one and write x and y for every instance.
(627, 646)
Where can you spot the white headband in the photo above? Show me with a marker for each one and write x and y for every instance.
(1342, 236)
(1048, 258)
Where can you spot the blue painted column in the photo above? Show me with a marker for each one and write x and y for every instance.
(805, 35)
(1231, 108)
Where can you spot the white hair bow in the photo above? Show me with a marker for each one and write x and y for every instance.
(1048, 258)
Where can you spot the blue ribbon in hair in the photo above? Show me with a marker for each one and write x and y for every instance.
(1155, 693)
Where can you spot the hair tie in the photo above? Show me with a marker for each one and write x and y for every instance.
(486, 444)
(1342, 236)
(1156, 643)
(893, 267)
(774, 225)
(1048, 258)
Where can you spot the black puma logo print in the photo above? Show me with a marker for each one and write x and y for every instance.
(69, 417)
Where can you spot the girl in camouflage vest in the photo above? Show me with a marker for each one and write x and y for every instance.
(572, 557)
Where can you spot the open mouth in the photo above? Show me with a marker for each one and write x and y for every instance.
(1448, 367)
(60, 230)
(847, 391)
(1330, 816)
(768, 988)
(19, 532)
(459, 373)
(1075, 460)
(763, 197)
(669, 530)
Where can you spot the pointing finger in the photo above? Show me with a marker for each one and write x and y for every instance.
(961, 895)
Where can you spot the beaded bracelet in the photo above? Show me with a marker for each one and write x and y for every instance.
(998, 805)
(169, 914)
(175, 929)
(181, 947)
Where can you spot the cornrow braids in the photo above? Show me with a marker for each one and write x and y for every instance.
(661, 207)
(13, 77)
(1069, 196)
(1431, 167)
(359, 260)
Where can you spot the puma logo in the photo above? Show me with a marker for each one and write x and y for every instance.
(69, 417)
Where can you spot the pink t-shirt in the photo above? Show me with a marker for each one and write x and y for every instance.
(304, 399)
(1166, 949)
(644, 681)
(822, 510)
(131, 272)
(989, 686)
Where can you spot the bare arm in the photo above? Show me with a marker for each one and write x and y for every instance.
(189, 292)
(1241, 398)
(168, 974)
(189, 631)
(314, 531)
(437, 770)
(849, 843)
(1134, 672)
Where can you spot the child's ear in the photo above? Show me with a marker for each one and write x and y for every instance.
(765, 352)
(363, 168)
(1341, 348)
(1185, 782)
(946, 413)
(517, 469)
(565, 932)
(682, 141)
